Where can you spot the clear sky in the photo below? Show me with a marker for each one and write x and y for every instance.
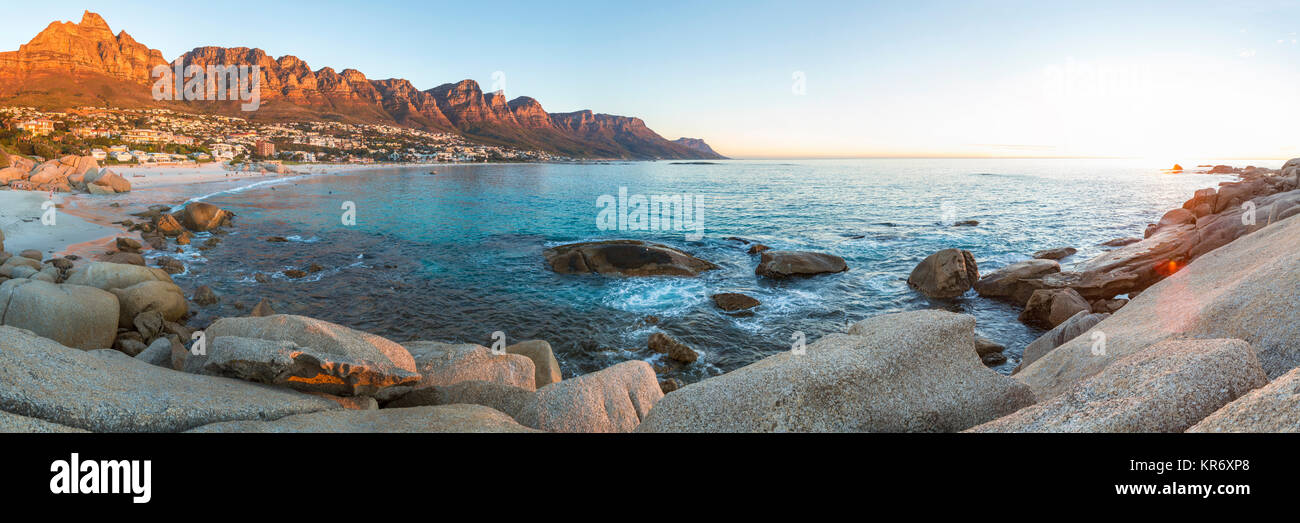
(992, 78)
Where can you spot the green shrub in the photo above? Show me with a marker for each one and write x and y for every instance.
(44, 150)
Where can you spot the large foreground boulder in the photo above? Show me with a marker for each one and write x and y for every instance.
(1066, 331)
(163, 297)
(106, 276)
(544, 363)
(786, 264)
(908, 372)
(15, 424)
(74, 315)
(1248, 290)
(1009, 283)
(13, 263)
(945, 274)
(449, 418)
(508, 399)
(1272, 408)
(300, 368)
(107, 391)
(1291, 168)
(442, 364)
(1165, 388)
(613, 399)
(387, 362)
(624, 257)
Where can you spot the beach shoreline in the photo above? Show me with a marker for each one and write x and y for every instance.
(86, 232)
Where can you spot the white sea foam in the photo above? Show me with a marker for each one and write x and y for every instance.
(668, 297)
(236, 190)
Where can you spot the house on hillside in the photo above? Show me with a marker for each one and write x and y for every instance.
(38, 127)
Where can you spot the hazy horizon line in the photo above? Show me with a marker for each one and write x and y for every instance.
(960, 157)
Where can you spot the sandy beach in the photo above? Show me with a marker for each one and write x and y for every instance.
(77, 231)
(20, 219)
(147, 177)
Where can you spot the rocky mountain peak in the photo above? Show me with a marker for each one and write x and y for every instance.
(57, 68)
(93, 24)
(696, 144)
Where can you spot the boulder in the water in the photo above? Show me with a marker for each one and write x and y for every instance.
(624, 257)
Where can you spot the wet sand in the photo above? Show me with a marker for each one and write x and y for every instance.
(20, 219)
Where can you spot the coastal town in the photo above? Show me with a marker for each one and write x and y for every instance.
(166, 137)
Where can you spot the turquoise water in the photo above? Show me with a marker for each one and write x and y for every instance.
(458, 255)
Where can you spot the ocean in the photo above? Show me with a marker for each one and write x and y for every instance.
(457, 256)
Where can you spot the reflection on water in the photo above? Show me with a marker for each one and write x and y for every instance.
(457, 256)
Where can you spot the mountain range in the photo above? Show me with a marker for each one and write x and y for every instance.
(85, 64)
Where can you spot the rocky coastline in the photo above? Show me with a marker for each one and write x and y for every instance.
(1199, 312)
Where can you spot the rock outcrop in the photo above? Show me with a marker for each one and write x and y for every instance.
(539, 351)
(945, 274)
(441, 419)
(1048, 308)
(1066, 331)
(1055, 254)
(907, 372)
(67, 174)
(507, 399)
(1180, 238)
(1165, 388)
(624, 257)
(165, 298)
(388, 364)
(15, 424)
(108, 276)
(75, 315)
(676, 350)
(277, 362)
(202, 217)
(1014, 283)
(442, 364)
(1244, 290)
(787, 264)
(107, 391)
(1272, 408)
(734, 301)
(614, 399)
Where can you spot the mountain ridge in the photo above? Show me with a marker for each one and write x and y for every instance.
(84, 63)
